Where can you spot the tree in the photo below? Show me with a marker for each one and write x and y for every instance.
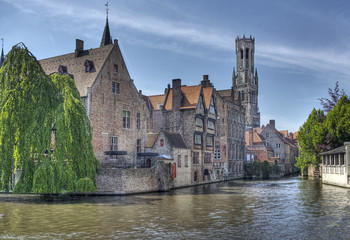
(39, 113)
(312, 137)
(338, 123)
(335, 95)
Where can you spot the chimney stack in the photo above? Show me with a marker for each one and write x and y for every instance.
(79, 47)
(177, 96)
(272, 124)
(206, 82)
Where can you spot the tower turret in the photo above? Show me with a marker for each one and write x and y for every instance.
(2, 58)
(106, 37)
(246, 81)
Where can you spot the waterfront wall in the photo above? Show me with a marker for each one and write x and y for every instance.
(123, 181)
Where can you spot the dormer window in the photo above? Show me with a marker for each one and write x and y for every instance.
(62, 69)
(115, 68)
(89, 66)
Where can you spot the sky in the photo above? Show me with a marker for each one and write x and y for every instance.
(301, 46)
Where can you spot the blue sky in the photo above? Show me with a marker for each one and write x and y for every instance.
(301, 47)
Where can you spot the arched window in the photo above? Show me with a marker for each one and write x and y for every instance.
(241, 53)
(247, 53)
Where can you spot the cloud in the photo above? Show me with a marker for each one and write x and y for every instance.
(172, 34)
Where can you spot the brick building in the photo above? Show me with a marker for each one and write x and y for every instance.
(119, 116)
(230, 132)
(283, 147)
(211, 123)
(173, 150)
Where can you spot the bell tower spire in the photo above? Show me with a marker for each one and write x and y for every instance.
(106, 37)
(2, 58)
(245, 82)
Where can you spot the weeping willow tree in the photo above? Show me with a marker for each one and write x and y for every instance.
(44, 130)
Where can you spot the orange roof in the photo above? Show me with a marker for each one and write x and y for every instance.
(190, 97)
(156, 100)
(207, 95)
(284, 132)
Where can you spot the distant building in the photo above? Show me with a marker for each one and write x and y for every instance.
(119, 116)
(283, 147)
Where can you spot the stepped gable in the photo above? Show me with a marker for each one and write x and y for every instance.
(76, 65)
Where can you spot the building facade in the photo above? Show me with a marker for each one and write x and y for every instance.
(119, 116)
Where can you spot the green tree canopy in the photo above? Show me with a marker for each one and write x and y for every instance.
(39, 113)
(311, 138)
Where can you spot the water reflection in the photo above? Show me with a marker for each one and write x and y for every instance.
(292, 208)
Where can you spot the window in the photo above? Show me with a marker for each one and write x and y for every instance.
(126, 119)
(211, 109)
(241, 53)
(186, 160)
(211, 125)
(199, 122)
(62, 69)
(160, 106)
(278, 145)
(247, 53)
(115, 68)
(267, 135)
(209, 141)
(113, 146)
(161, 142)
(89, 66)
(115, 88)
(242, 96)
(218, 128)
(217, 154)
(179, 160)
(277, 155)
(195, 157)
(138, 121)
(138, 145)
(198, 139)
(207, 158)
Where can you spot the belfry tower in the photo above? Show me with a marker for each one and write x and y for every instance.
(245, 81)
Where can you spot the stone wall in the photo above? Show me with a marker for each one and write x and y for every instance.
(124, 181)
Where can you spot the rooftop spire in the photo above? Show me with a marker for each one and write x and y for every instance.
(2, 53)
(106, 37)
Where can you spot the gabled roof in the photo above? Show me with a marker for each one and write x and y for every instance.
(207, 91)
(75, 65)
(225, 93)
(151, 139)
(155, 100)
(175, 139)
(284, 133)
(190, 97)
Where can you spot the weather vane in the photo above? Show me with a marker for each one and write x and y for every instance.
(107, 9)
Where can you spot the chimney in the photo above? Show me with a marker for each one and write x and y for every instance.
(79, 47)
(206, 82)
(272, 123)
(177, 96)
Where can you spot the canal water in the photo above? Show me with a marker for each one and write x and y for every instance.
(291, 208)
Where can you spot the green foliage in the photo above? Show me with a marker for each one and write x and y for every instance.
(31, 105)
(312, 138)
(85, 185)
(256, 168)
(265, 169)
(338, 123)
